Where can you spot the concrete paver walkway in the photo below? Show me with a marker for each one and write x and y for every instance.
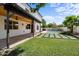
(55, 35)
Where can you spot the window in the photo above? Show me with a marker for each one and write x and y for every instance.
(37, 27)
(28, 26)
(15, 25)
(12, 24)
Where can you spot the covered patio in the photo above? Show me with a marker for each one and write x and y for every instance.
(17, 14)
(13, 40)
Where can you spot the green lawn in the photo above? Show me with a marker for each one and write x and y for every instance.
(50, 47)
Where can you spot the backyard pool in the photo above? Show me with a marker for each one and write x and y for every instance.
(54, 32)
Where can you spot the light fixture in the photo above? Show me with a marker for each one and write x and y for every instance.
(16, 18)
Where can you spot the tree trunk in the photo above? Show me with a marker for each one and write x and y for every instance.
(71, 29)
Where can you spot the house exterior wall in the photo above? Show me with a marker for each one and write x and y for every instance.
(2, 31)
(35, 27)
(35, 14)
(14, 32)
(22, 28)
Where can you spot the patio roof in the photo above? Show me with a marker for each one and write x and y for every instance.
(13, 7)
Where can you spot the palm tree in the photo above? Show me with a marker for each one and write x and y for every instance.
(37, 6)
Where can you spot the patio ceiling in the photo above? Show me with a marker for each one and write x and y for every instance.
(19, 17)
(13, 7)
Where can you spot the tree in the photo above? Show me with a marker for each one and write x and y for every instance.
(77, 21)
(43, 23)
(49, 25)
(54, 25)
(61, 25)
(70, 22)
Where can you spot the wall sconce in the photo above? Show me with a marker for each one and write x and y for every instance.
(16, 18)
(22, 24)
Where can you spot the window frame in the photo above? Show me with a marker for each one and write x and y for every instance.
(11, 25)
(28, 26)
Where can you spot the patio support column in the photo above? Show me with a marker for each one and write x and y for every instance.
(8, 15)
(7, 26)
(40, 27)
(32, 28)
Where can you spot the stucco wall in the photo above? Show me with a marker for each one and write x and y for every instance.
(21, 30)
(35, 27)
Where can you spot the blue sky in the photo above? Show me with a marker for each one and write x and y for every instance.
(56, 12)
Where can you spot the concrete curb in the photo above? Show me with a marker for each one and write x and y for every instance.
(20, 42)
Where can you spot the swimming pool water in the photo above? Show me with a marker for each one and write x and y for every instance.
(53, 32)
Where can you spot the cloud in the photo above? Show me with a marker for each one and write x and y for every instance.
(56, 19)
(55, 4)
(62, 11)
(48, 19)
(68, 9)
(76, 5)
